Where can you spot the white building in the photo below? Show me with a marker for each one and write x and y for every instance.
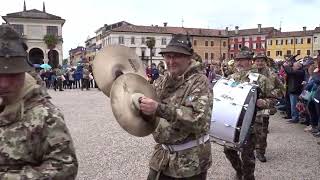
(100, 33)
(34, 25)
(316, 42)
(136, 37)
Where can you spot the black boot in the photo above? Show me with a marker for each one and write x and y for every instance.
(261, 157)
(238, 176)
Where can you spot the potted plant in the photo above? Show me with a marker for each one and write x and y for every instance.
(51, 41)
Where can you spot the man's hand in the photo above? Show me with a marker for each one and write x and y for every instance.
(148, 106)
(261, 103)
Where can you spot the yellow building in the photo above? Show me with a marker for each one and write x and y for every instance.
(210, 44)
(282, 44)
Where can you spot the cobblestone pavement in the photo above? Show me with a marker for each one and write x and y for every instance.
(105, 151)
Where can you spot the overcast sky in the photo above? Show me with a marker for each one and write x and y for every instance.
(83, 17)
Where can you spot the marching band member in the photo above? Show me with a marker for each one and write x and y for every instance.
(183, 149)
(245, 165)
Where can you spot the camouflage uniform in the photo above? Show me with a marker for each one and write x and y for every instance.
(35, 142)
(246, 165)
(227, 68)
(262, 119)
(185, 111)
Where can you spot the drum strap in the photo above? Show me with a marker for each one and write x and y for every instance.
(188, 145)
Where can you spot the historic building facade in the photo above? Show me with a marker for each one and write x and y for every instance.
(282, 44)
(34, 25)
(255, 39)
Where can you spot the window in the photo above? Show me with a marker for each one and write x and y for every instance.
(286, 41)
(291, 41)
(301, 40)
(308, 52)
(288, 52)
(143, 52)
(212, 43)
(212, 56)
(281, 41)
(268, 53)
(224, 44)
(296, 41)
(278, 53)
(153, 52)
(164, 41)
(224, 55)
(206, 56)
(309, 41)
(194, 42)
(258, 46)
(52, 30)
(298, 52)
(206, 43)
(143, 40)
(132, 40)
(276, 42)
(240, 46)
(18, 28)
(270, 42)
(121, 40)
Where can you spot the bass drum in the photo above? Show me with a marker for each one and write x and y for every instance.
(233, 112)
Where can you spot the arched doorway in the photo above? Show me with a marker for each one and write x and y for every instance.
(53, 57)
(36, 56)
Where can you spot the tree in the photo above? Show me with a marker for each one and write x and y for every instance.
(151, 42)
(65, 62)
(51, 41)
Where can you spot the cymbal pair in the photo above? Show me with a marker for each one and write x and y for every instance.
(120, 75)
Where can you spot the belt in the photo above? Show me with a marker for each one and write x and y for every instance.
(188, 145)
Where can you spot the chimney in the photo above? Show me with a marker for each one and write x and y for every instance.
(236, 30)
(44, 7)
(259, 28)
(24, 6)
(165, 24)
(304, 29)
(227, 31)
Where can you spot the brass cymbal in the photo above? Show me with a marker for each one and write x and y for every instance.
(124, 95)
(113, 61)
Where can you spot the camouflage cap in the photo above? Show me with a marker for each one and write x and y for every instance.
(245, 53)
(260, 56)
(13, 55)
(179, 43)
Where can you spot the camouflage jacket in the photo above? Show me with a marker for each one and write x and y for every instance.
(185, 112)
(278, 87)
(35, 142)
(265, 85)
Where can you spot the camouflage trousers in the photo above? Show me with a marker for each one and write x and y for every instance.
(260, 128)
(153, 176)
(246, 164)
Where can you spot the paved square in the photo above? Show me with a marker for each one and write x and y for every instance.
(106, 152)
